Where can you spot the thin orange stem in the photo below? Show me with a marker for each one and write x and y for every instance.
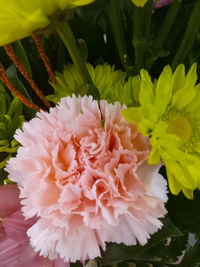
(44, 57)
(19, 64)
(10, 86)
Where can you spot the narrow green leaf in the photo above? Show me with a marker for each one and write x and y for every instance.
(22, 55)
(3, 162)
(12, 75)
(4, 142)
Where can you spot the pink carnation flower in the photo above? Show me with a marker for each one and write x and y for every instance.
(82, 169)
(15, 248)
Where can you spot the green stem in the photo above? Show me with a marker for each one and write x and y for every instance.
(147, 15)
(189, 36)
(113, 12)
(141, 32)
(166, 25)
(67, 36)
(138, 35)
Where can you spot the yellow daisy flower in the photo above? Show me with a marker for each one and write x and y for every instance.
(169, 114)
(20, 18)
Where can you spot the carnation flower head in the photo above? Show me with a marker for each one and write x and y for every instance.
(168, 113)
(20, 18)
(82, 169)
(15, 248)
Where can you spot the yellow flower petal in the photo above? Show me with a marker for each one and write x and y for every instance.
(19, 19)
(139, 3)
(154, 156)
(163, 90)
(174, 185)
(128, 115)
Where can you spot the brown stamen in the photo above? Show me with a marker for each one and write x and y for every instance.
(44, 57)
(10, 86)
(19, 64)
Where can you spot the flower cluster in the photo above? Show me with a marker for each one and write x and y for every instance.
(101, 166)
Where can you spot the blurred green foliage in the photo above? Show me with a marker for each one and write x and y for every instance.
(11, 118)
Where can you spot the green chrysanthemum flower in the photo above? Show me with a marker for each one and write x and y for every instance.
(169, 114)
(20, 18)
(104, 77)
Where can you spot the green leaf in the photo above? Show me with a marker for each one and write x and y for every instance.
(192, 256)
(22, 55)
(5, 100)
(12, 75)
(178, 245)
(76, 264)
(154, 251)
(185, 213)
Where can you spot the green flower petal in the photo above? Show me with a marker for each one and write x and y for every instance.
(154, 156)
(187, 192)
(110, 83)
(174, 185)
(163, 90)
(191, 77)
(183, 97)
(145, 127)
(179, 78)
(146, 94)
(186, 94)
(132, 115)
(195, 104)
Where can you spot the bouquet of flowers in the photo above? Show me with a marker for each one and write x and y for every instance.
(99, 133)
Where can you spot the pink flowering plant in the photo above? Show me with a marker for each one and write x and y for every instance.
(99, 133)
